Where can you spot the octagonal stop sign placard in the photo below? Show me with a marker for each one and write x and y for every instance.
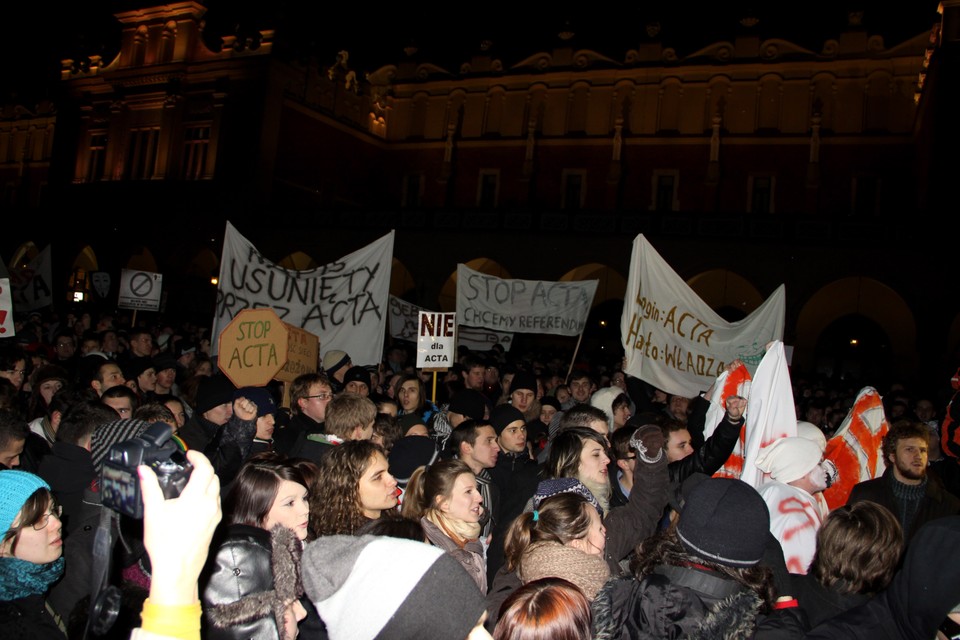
(253, 347)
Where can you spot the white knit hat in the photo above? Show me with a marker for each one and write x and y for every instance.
(789, 459)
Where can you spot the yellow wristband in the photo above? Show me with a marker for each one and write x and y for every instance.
(175, 621)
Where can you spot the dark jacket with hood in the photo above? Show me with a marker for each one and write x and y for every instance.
(918, 599)
(686, 602)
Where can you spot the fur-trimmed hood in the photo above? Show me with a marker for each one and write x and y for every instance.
(286, 551)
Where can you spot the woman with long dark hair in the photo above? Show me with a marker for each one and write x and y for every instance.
(267, 495)
(580, 454)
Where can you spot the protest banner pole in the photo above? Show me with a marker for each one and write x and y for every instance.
(433, 395)
(574, 358)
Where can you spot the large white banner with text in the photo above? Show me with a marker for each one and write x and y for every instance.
(345, 302)
(523, 306)
(673, 340)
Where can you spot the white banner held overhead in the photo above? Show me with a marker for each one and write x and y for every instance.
(344, 303)
(32, 285)
(674, 340)
(523, 306)
(436, 340)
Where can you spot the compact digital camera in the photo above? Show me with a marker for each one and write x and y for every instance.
(156, 448)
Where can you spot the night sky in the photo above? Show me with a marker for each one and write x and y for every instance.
(37, 38)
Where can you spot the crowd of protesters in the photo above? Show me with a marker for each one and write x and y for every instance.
(527, 499)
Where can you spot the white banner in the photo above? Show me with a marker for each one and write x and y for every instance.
(477, 339)
(674, 340)
(403, 319)
(7, 327)
(32, 285)
(523, 306)
(344, 302)
(403, 326)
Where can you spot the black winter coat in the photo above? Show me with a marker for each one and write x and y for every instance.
(937, 503)
(239, 566)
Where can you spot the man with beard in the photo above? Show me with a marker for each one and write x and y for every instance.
(905, 488)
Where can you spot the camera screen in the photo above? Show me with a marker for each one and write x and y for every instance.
(119, 490)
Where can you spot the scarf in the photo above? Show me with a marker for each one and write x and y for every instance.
(555, 560)
(19, 578)
(908, 497)
(460, 531)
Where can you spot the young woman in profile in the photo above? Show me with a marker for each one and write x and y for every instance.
(354, 486)
(30, 557)
(445, 498)
(267, 492)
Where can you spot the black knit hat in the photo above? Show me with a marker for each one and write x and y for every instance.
(469, 403)
(502, 415)
(357, 374)
(214, 391)
(725, 520)
(524, 380)
(137, 365)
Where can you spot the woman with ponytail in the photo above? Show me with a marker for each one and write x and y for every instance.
(445, 498)
(564, 538)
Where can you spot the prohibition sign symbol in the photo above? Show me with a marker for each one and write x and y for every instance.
(141, 284)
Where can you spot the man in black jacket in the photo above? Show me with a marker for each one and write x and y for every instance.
(912, 496)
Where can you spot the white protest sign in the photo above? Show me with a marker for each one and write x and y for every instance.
(523, 306)
(7, 327)
(344, 302)
(32, 285)
(140, 290)
(673, 340)
(436, 340)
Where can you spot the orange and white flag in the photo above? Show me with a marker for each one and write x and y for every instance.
(729, 383)
(856, 447)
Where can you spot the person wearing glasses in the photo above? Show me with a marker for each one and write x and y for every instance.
(31, 559)
(65, 347)
(310, 393)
